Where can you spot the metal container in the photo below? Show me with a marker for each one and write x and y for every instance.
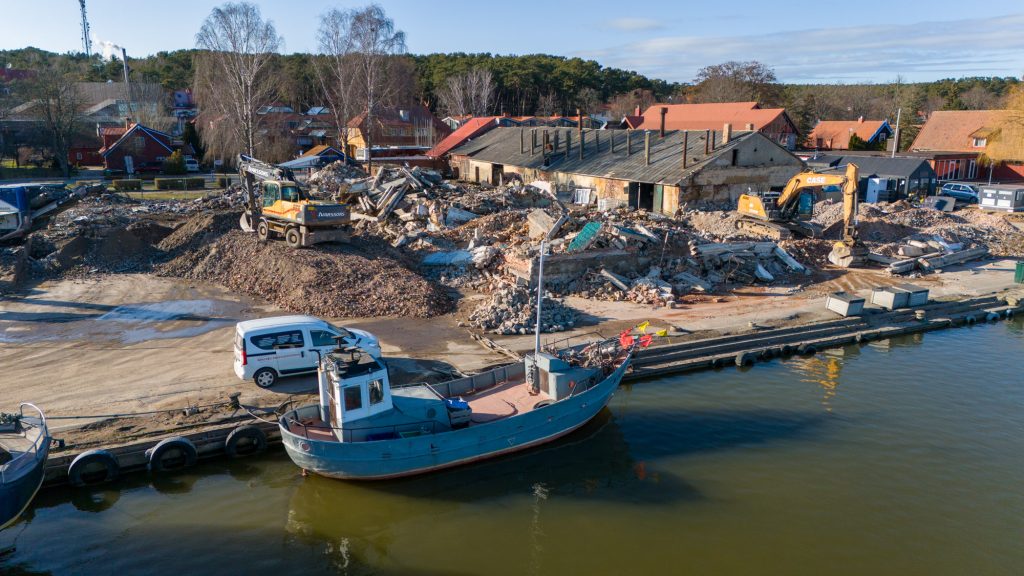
(890, 297)
(918, 296)
(1018, 275)
(845, 304)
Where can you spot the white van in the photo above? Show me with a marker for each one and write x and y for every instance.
(268, 348)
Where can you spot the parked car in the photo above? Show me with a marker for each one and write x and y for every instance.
(964, 192)
(269, 348)
(191, 165)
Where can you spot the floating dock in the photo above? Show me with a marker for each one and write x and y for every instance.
(216, 441)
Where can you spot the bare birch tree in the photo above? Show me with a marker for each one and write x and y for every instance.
(58, 106)
(376, 43)
(468, 94)
(232, 79)
(337, 70)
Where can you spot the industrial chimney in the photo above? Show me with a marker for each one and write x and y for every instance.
(726, 133)
(661, 131)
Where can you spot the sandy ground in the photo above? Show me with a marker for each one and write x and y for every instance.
(130, 343)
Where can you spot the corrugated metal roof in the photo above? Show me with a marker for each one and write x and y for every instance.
(502, 146)
(871, 166)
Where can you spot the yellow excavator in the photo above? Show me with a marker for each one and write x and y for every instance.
(780, 215)
(275, 205)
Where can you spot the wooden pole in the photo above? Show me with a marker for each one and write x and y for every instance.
(686, 146)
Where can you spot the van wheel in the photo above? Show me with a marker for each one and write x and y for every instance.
(265, 377)
(293, 238)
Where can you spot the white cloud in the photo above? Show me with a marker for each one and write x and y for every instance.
(917, 51)
(627, 24)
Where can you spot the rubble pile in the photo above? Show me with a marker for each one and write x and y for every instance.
(512, 309)
(331, 281)
(335, 178)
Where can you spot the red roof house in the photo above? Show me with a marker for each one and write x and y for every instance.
(772, 122)
(469, 129)
(138, 147)
(835, 134)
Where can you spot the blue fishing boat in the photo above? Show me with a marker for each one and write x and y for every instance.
(24, 445)
(365, 429)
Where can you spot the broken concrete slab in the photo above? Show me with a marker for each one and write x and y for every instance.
(541, 223)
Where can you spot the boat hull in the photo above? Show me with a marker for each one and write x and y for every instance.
(418, 455)
(17, 494)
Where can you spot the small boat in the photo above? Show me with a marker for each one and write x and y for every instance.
(365, 429)
(24, 445)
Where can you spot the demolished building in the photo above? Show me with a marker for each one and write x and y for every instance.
(633, 168)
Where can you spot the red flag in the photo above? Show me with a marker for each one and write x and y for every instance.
(625, 340)
(645, 341)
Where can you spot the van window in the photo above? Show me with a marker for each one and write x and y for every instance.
(239, 341)
(353, 398)
(278, 340)
(321, 338)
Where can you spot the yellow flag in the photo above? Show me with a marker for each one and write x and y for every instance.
(642, 327)
(662, 332)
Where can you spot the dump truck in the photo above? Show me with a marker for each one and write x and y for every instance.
(277, 206)
(25, 207)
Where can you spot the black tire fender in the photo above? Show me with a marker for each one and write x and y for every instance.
(78, 474)
(158, 453)
(252, 438)
(746, 359)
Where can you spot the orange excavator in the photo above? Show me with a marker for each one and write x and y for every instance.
(275, 205)
(781, 215)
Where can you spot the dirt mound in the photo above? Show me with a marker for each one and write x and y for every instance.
(330, 281)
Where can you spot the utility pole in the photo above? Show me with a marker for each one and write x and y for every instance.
(896, 138)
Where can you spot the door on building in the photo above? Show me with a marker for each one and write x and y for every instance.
(659, 199)
(129, 165)
(641, 196)
(496, 171)
(476, 174)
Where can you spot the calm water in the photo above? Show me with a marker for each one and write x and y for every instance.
(903, 457)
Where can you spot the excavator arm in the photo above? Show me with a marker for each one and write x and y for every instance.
(849, 250)
(788, 200)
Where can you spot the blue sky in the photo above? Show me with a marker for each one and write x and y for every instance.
(820, 41)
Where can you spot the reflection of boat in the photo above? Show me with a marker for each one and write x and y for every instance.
(365, 429)
(24, 445)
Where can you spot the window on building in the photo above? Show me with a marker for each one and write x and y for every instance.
(78, 155)
(353, 398)
(980, 142)
(376, 392)
(972, 170)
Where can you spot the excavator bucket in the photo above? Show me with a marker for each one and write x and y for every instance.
(846, 256)
(245, 223)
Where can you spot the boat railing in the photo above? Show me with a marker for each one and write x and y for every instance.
(367, 433)
(13, 469)
(563, 342)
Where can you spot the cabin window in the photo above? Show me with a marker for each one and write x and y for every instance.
(980, 142)
(376, 392)
(321, 338)
(290, 194)
(271, 194)
(353, 398)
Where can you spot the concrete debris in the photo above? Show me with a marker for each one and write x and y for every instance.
(512, 309)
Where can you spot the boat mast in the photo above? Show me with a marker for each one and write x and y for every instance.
(540, 298)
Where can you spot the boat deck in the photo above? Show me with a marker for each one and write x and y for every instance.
(502, 401)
